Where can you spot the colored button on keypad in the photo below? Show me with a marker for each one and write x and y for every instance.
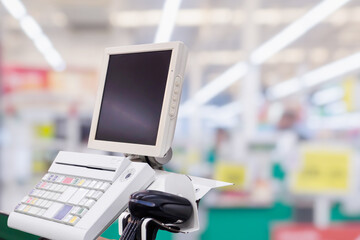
(67, 180)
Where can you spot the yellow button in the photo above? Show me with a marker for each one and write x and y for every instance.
(81, 182)
(27, 208)
(73, 219)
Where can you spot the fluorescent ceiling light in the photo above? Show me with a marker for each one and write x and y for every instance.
(167, 21)
(277, 43)
(295, 30)
(55, 60)
(332, 70)
(284, 89)
(43, 42)
(15, 8)
(222, 82)
(33, 30)
(216, 86)
(316, 77)
(30, 27)
(230, 110)
(328, 95)
(52, 56)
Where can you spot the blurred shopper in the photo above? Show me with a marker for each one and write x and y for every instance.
(221, 147)
(291, 129)
(291, 121)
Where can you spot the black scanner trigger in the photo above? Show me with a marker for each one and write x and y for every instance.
(164, 207)
(162, 211)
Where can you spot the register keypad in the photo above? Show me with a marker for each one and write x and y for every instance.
(63, 199)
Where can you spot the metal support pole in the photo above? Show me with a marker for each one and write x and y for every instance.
(322, 208)
(249, 88)
(194, 145)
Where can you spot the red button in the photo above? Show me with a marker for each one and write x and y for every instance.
(67, 180)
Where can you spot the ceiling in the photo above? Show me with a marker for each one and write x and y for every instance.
(213, 30)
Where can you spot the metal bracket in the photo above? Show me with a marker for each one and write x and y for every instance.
(154, 162)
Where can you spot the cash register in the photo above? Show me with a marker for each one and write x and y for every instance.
(135, 114)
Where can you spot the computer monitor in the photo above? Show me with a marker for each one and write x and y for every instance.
(138, 99)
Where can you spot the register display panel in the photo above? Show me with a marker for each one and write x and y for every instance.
(133, 97)
(138, 99)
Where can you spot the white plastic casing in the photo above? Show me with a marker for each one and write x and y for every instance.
(106, 209)
(170, 104)
(180, 185)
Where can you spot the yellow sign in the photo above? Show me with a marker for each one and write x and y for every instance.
(45, 130)
(323, 171)
(349, 87)
(231, 172)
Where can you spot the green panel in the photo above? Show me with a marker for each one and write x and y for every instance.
(278, 172)
(338, 216)
(245, 223)
(112, 232)
(12, 234)
(164, 235)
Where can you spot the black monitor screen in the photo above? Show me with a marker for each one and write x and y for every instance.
(133, 96)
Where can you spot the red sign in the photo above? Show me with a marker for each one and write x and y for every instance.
(19, 79)
(310, 232)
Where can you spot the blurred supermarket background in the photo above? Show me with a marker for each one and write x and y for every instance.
(271, 102)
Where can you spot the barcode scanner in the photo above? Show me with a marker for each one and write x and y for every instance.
(163, 208)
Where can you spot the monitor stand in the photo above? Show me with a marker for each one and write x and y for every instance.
(154, 162)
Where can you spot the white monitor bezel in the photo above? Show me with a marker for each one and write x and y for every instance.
(159, 149)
